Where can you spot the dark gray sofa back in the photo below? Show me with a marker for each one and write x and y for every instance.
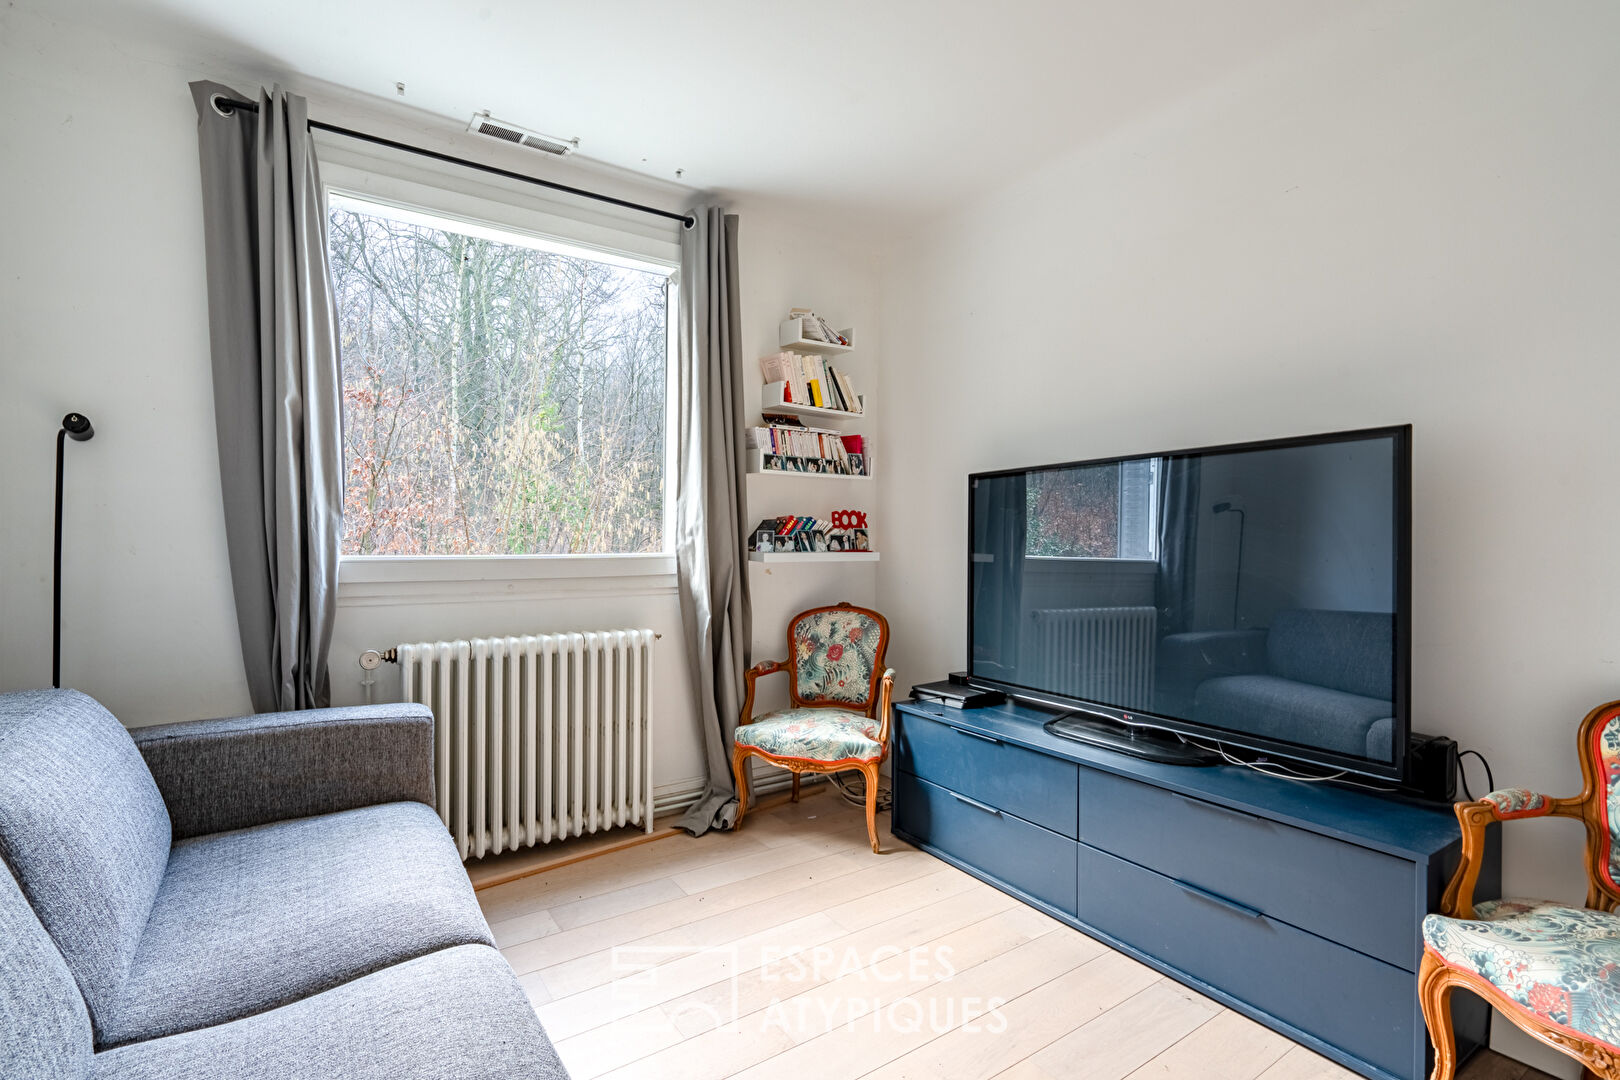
(84, 831)
(1352, 651)
(44, 1030)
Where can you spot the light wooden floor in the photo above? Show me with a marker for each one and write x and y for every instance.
(789, 949)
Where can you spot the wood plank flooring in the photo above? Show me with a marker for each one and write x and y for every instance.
(789, 949)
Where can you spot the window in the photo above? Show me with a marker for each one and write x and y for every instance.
(1094, 511)
(503, 394)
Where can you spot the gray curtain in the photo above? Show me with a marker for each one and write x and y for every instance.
(277, 409)
(1178, 544)
(710, 510)
(1001, 533)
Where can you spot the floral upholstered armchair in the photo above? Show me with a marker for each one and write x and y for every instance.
(839, 716)
(1551, 969)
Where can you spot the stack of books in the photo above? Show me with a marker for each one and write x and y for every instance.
(810, 380)
(814, 328)
(795, 448)
(806, 534)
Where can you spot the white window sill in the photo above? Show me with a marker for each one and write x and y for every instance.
(369, 580)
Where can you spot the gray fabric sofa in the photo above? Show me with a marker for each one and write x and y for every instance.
(1321, 677)
(267, 897)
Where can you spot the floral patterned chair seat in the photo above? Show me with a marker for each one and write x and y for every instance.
(1561, 964)
(825, 735)
(839, 716)
(1551, 969)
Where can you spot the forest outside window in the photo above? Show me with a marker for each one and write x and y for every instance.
(1094, 511)
(503, 394)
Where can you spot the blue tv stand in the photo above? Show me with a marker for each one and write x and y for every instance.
(1296, 904)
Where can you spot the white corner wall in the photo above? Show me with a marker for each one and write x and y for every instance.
(1412, 218)
(791, 263)
(104, 312)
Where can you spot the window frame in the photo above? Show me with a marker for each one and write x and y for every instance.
(483, 202)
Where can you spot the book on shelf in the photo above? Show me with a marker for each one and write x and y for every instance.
(795, 448)
(806, 534)
(808, 379)
(814, 328)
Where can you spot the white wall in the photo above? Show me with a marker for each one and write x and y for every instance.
(1411, 219)
(787, 266)
(104, 312)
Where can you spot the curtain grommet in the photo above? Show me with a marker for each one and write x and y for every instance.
(217, 103)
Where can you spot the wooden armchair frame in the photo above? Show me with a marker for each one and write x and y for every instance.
(1436, 979)
(876, 706)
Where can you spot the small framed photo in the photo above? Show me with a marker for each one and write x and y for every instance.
(764, 540)
(859, 541)
(818, 540)
(857, 464)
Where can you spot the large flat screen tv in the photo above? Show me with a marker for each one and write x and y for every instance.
(1252, 597)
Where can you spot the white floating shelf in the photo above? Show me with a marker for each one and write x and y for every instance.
(790, 336)
(771, 403)
(756, 467)
(804, 475)
(812, 556)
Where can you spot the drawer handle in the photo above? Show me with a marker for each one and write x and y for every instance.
(1226, 811)
(976, 735)
(1221, 901)
(976, 804)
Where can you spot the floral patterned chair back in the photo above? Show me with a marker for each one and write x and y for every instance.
(836, 655)
(1600, 762)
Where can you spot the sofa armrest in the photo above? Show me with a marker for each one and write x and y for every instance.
(250, 770)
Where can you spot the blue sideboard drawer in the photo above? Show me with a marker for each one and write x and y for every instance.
(1359, 1004)
(1035, 787)
(1027, 857)
(1352, 895)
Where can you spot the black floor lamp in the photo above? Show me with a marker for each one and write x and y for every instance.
(75, 426)
(1237, 578)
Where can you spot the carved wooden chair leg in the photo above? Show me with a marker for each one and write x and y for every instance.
(739, 771)
(795, 787)
(1434, 993)
(871, 774)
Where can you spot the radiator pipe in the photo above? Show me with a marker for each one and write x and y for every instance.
(371, 658)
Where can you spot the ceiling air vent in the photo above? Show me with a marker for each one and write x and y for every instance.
(511, 133)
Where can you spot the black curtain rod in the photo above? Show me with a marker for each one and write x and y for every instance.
(228, 105)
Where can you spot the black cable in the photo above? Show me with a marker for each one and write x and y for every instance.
(1462, 774)
(56, 573)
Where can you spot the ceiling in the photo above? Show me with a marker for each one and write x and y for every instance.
(887, 110)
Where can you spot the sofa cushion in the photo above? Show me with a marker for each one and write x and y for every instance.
(260, 917)
(1295, 712)
(1349, 651)
(44, 1029)
(84, 831)
(457, 1014)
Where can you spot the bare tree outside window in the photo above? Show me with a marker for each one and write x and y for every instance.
(1093, 511)
(499, 398)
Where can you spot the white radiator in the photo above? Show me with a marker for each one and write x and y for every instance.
(537, 738)
(1101, 654)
